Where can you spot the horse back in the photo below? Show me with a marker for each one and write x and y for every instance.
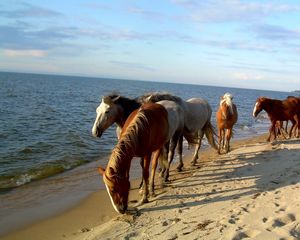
(231, 119)
(157, 117)
(151, 126)
(197, 113)
(281, 109)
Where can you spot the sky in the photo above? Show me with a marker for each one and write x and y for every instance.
(234, 43)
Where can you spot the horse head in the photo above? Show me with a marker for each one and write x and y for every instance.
(226, 105)
(117, 188)
(259, 106)
(107, 113)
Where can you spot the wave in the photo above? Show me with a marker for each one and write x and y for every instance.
(19, 178)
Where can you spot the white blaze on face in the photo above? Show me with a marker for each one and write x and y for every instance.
(254, 110)
(101, 109)
(111, 199)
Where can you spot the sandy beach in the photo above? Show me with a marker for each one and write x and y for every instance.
(250, 193)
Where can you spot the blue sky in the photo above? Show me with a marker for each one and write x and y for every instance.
(234, 43)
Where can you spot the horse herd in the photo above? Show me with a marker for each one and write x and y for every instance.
(153, 125)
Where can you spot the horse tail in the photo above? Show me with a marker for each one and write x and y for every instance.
(210, 133)
(163, 160)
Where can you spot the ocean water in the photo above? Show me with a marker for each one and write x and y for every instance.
(46, 120)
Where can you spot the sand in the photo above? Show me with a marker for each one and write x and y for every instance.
(250, 193)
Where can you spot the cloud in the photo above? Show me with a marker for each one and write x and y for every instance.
(24, 53)
(153, 15)
(215, 11)
(133, 65)
(22, 37)
(258, 68)
(246, 76)
(273, 32)
(30, 11)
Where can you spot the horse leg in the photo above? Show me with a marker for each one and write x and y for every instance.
(220, 140)
(286, 127)
(179, 151)
(198, 145)
(228, 137)
(163, 159)
(271, 130)
(223, 138)
(141, 163)
(146, 165)
(154, 165)
(297, 119)
(293, 126)
(173, 144)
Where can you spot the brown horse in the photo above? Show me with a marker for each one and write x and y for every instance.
(144, 132)
(279, 110)
(226, 117)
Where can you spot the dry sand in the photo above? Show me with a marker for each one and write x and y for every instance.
(250, 193)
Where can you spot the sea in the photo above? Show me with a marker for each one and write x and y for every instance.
(47, 151)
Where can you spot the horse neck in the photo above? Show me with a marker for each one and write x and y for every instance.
(127, 107)
(268, 106)
(120, 159)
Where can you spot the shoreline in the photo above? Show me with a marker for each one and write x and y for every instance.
(95, 214)
(93, 194)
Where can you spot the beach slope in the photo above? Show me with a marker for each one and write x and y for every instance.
(251, 192)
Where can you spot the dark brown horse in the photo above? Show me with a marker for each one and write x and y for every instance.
(144, 132)
(226, 116)
(279, 110)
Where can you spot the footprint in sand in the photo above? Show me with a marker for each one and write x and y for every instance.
(245, 234)
(286, 219)
(295, 231)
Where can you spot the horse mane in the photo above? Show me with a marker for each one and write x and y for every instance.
(128, 104)
(227, 99)
(159, 96)
(128, 142)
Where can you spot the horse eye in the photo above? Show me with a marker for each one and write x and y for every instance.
(107, 111)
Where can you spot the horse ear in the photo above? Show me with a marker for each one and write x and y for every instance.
(148, 99)
(101, 170)
(107, 100)
(115, 98)
(111, 171)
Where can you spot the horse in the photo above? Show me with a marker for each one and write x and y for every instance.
(226, 117)
(197, 115)
(279, 110)
(116, 109)
(144, 133)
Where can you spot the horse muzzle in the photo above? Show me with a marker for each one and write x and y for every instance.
(97, 133)
(122, 208)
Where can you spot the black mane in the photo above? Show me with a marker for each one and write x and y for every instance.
(128, 104)
(159, 96)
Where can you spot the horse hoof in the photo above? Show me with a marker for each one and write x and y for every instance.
(152, 195)
(179, 167)
(166, 180)
(193, 163)
(144, 200)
